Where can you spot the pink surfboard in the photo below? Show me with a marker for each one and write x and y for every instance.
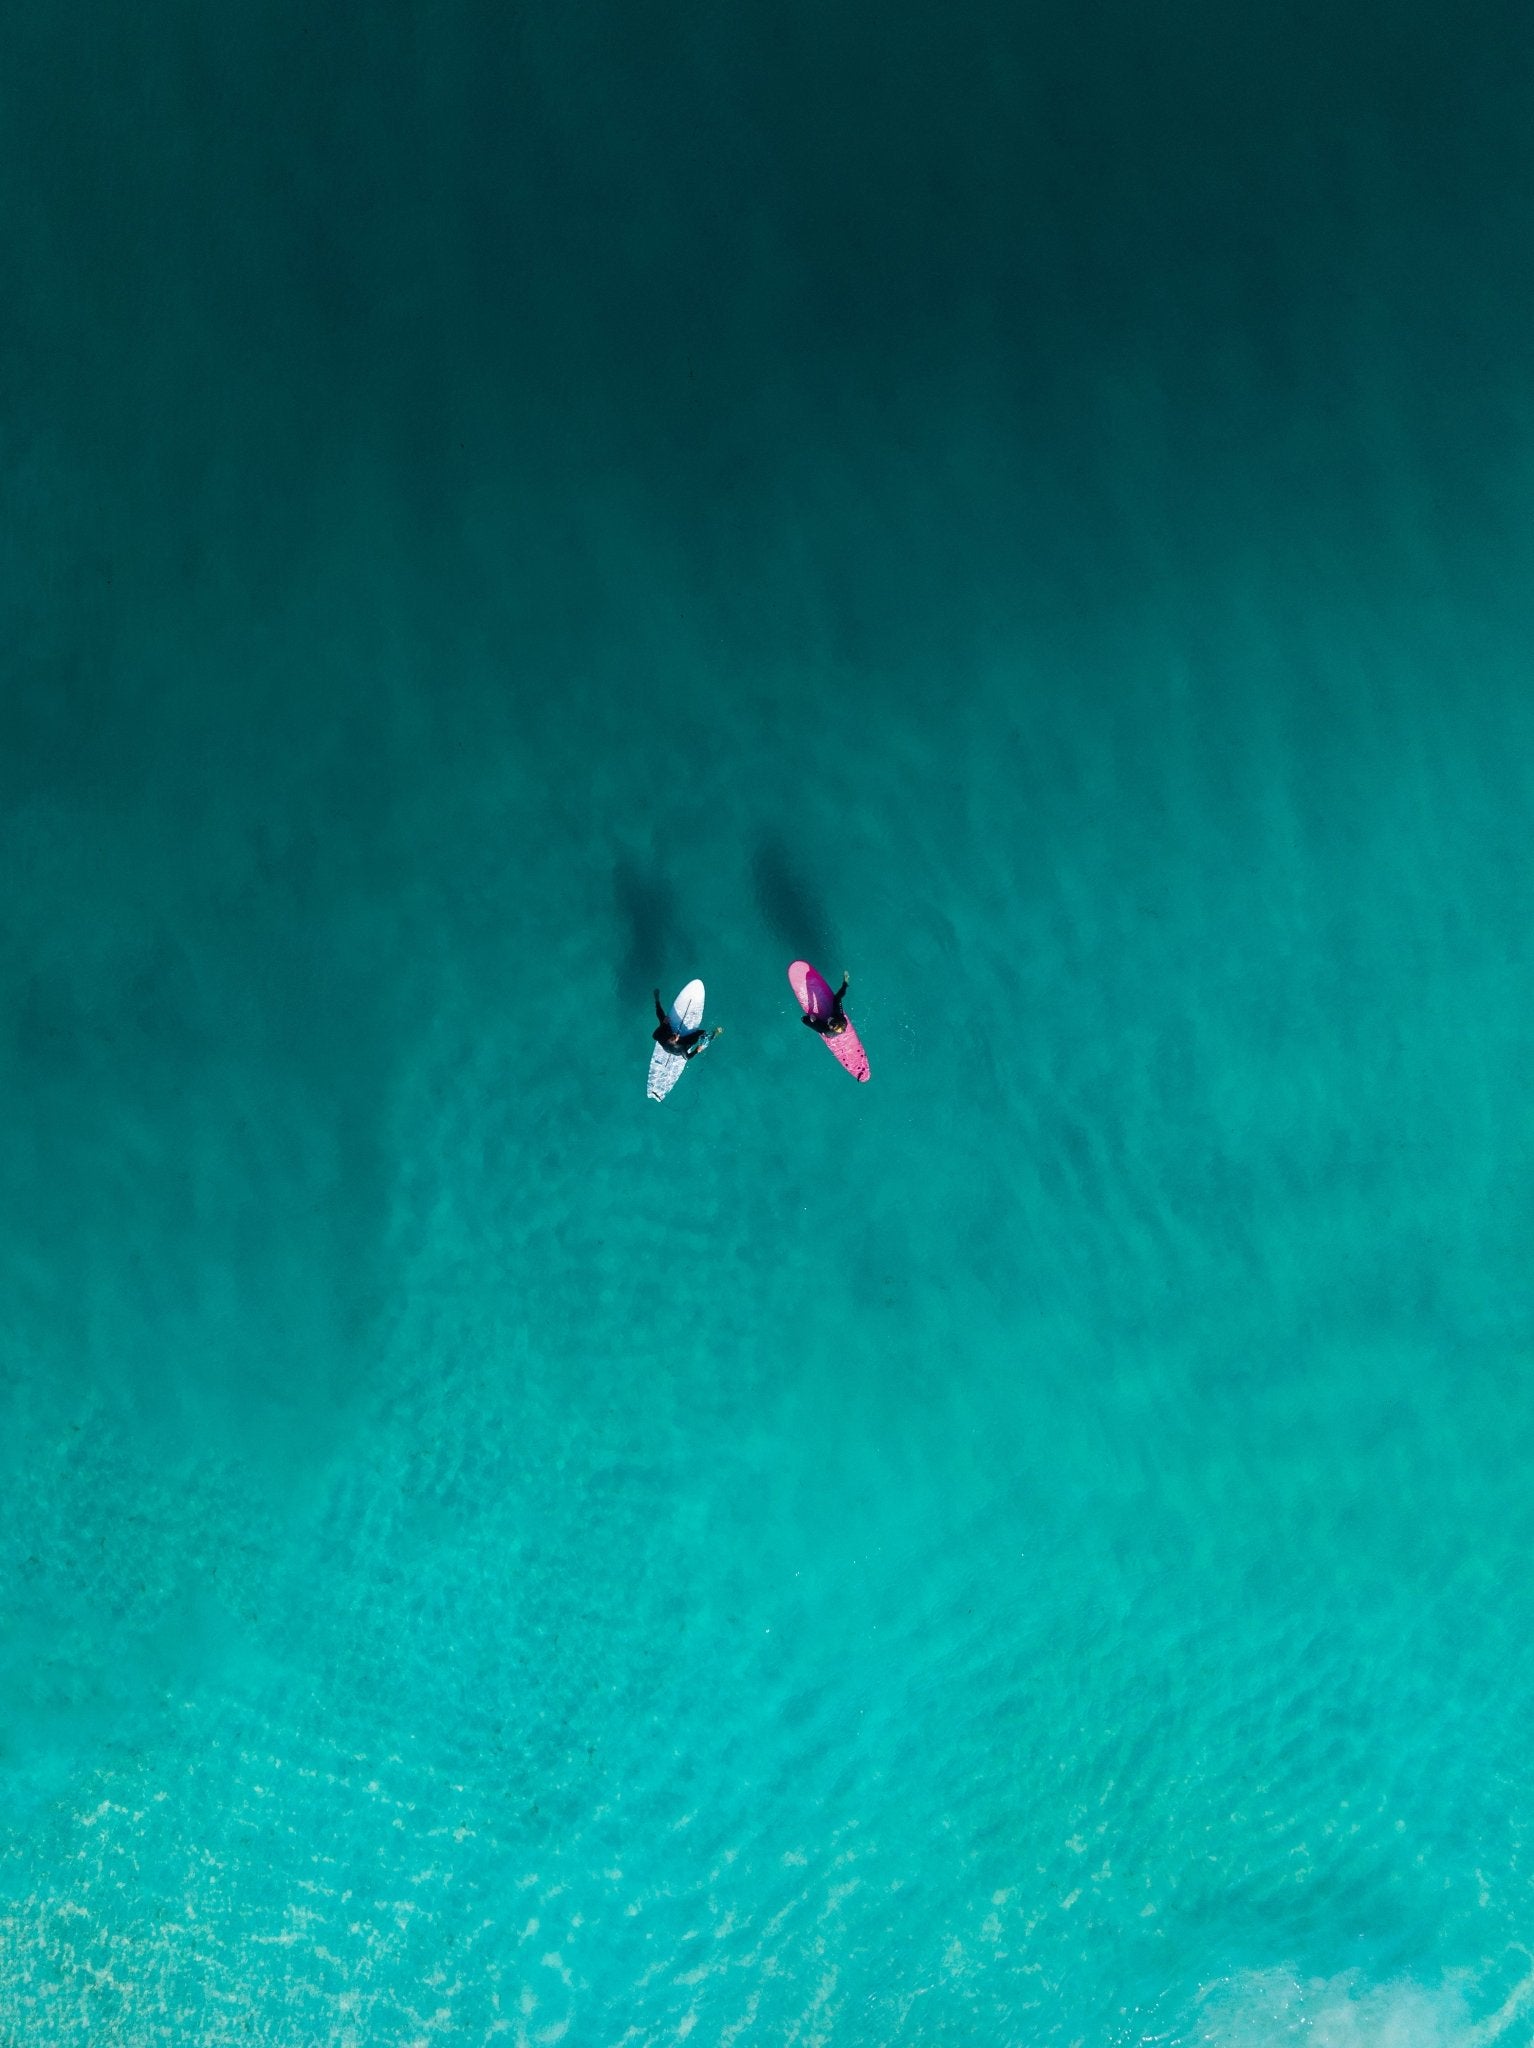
(817, 999)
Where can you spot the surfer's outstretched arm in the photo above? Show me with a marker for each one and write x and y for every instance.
(660, 1011)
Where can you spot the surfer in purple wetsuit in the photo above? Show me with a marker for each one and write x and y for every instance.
(683, 1043)
(833, 1025)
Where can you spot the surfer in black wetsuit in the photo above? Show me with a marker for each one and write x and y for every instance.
(683, 1043)
(835, 1022)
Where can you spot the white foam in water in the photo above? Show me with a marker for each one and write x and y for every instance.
(1267, 2008)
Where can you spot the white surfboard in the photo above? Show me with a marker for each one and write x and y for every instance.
(667, 1068)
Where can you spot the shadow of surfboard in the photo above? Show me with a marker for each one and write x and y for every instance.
(789, 908)
(657, 942)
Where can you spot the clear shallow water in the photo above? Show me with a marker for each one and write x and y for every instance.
(1032, 1550)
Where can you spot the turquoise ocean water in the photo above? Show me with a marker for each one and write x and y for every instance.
(505, 506)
